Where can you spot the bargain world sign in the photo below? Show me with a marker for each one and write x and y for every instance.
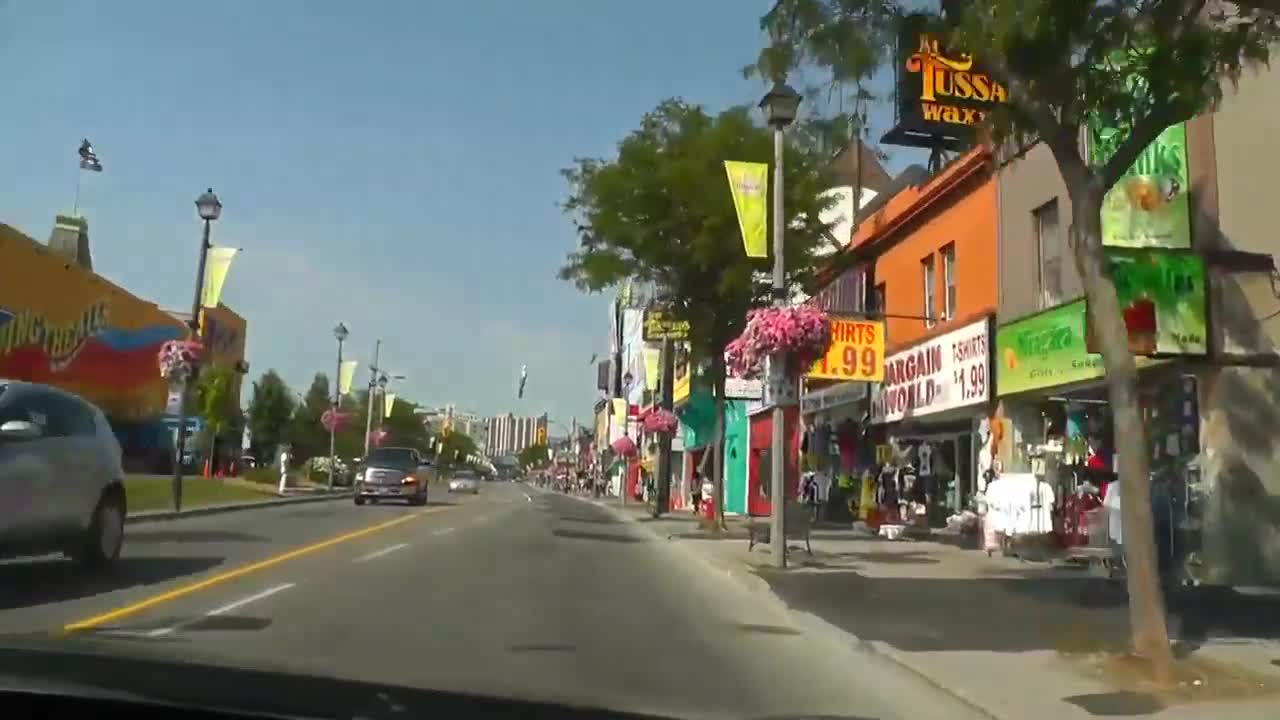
(944, 373)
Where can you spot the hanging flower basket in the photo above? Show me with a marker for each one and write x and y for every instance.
(624, 446)
(661, 421)
(801, 333)
(334, 421)
(177, 360)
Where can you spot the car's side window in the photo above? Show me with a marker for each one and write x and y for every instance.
(56, 411)
(24, 405)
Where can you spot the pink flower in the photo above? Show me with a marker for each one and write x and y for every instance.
(802, 332)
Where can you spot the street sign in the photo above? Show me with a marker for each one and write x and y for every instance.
(661, 324)
(857, 352)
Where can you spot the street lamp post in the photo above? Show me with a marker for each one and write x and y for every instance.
(780, 105)
(340, 334)
(627, 380)
(210, 209)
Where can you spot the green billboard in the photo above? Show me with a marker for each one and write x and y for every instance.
(1148, 206)
(1162, 297)
(1045, 350)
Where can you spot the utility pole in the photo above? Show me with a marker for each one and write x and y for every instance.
(663, 501)
(373, 385)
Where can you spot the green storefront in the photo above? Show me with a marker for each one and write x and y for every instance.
(1053, 414)
(698, 421)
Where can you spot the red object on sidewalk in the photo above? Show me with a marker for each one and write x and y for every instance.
(761, 442)
(708, 509)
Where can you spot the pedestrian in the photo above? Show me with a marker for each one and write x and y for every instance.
(696, 492)
(284, 468)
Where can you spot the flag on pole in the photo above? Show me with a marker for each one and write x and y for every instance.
(346, 375)
(215, 275)
(748, 182)
(88, 158)
(390, 400)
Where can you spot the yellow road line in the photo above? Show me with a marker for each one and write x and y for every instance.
(243, 570)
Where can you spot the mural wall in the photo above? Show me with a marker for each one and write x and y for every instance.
(68, 327)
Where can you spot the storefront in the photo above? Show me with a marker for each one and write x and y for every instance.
(834, 444)
(1054, 417)
(931, 409)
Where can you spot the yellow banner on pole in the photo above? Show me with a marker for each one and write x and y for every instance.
(749, 183)
(215, 274)
(346, 374)
(390, 400)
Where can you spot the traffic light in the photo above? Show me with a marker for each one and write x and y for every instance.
(542, 436)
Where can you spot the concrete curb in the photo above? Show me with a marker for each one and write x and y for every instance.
(760, 587)
(160, 515)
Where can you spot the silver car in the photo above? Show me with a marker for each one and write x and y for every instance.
(61, 479)
(464, 482)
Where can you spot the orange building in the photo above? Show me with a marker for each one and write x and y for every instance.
(923, 257)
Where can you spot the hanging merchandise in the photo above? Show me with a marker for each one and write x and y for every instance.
(847, 440)
(821, 439)
(925, 455)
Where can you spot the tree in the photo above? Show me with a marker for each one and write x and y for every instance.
(217, 404)
(1136, 66)
(307, 436)
(270, 407)
(404, 427)
(534, 456)
(454, 448)
(661, 212)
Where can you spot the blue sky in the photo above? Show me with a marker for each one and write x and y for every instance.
(391, 164)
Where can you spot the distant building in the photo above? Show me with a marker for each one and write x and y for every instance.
(450, 418)
(508, 434)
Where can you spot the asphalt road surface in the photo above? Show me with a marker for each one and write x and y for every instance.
(513, 592)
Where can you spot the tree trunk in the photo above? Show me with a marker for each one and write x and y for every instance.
(1150, 634)
(717, 473)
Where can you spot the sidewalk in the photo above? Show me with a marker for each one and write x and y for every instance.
(1014, 639)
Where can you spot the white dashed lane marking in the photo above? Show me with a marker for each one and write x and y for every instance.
(379, 553)
(222, 610)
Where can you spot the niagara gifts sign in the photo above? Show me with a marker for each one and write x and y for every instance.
(941, 94)
(946, 372)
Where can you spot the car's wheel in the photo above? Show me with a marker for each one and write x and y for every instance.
(101, 544)
(358, 500)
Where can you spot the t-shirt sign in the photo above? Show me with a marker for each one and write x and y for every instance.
(943, 373)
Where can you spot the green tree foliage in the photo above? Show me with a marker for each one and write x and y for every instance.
(534, 456)
(405, 428)
(454, 449)
(1136, 65)
(216, 402)
(661, 211)
(307, 436)
(271, 405)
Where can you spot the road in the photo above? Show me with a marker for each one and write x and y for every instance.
(513, 592)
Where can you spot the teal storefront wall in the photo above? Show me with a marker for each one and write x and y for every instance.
(698, 422)
(736, 437)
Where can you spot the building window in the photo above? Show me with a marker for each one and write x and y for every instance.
(878, 299)
(949, 282)
(927, 275)
(1050, 245)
